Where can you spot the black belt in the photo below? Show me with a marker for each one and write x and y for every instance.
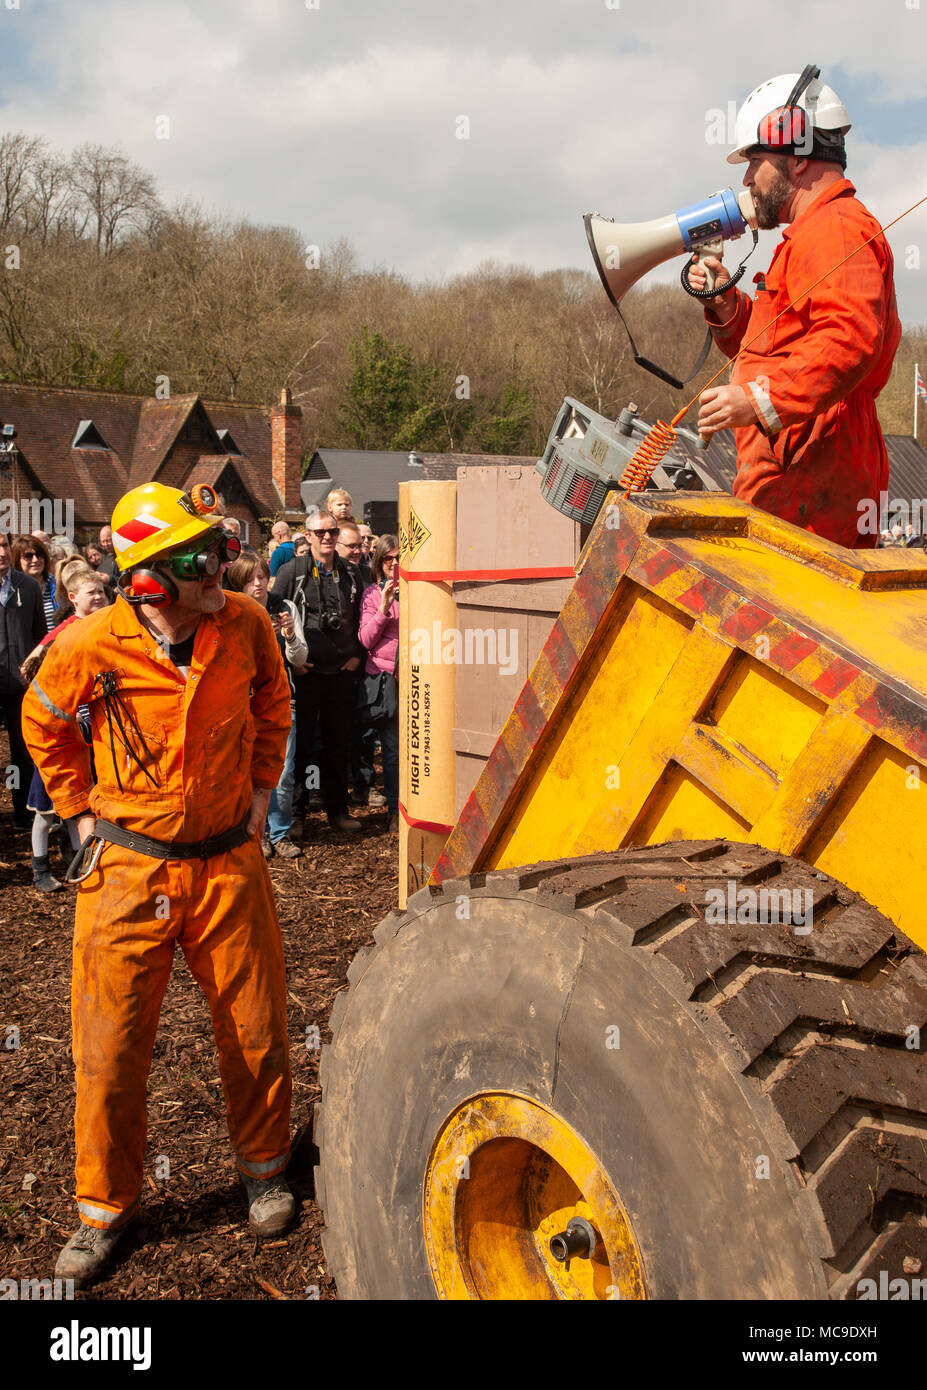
(173, 849)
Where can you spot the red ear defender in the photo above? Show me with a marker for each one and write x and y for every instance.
(786, 126)
(148, 586)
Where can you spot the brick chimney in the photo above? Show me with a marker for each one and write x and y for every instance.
(286, 451)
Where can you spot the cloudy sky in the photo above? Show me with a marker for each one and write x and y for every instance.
(341, 117)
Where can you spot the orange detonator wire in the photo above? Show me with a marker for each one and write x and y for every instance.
(652, 450)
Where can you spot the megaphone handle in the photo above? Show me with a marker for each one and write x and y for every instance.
(704, 439)
(709, 274)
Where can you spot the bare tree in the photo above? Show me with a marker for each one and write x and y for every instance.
(19, 154)
(113, 191)
(48, 209)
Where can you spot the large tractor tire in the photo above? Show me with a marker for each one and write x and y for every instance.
(572, 1081)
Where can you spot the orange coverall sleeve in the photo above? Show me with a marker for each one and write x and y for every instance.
(845, 317)
(728, 329)
(50, 728)
(843, 324)
(270, 709)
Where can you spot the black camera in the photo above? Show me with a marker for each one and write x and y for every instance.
(330, 622)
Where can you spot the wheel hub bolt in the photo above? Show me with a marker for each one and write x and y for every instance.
(577, 1242)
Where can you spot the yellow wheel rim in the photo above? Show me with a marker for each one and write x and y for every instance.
(505, 1176)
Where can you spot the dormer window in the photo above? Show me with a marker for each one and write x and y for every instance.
(88, 437)
(228, 444)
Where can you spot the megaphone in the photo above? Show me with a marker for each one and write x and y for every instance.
(625, 251)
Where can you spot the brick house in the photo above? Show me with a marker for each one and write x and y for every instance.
(78, 451)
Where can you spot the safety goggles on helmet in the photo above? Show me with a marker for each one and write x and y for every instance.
(203, 557)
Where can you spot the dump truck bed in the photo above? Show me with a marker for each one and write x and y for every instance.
(715, 671)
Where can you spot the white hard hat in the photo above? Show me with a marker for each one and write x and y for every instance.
(829, 121)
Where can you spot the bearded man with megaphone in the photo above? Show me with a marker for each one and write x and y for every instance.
(802, 394)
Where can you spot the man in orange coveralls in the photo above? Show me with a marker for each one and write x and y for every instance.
(190, 712)
(802, 397)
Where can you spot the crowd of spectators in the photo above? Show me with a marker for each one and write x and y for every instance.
(331, 593)
(905, 535)
(333, 599)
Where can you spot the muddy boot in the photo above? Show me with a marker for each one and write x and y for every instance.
(87, 1255)
(271, 1205)
(42, 876)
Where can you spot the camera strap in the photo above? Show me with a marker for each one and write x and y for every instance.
(299, 588)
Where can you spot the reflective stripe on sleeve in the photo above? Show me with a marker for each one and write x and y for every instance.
(765, 407)
(50, 704)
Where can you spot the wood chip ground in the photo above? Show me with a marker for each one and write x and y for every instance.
(192, 1241)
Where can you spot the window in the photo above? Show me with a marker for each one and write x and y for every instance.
(228, 444)
(87, 436)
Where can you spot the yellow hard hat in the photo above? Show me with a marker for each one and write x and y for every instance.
(153, 518)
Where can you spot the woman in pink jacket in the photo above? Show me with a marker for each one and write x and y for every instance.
(379, 633)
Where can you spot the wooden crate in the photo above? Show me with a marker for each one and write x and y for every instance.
(502, 522)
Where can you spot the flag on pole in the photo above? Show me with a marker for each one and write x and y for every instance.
(919, 387)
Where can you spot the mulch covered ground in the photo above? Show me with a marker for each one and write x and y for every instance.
(192, 1241)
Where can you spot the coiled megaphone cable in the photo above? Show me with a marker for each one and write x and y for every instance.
(710, 293)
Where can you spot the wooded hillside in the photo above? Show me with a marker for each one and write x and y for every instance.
(105, 286)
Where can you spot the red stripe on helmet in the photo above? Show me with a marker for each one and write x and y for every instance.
(136, 530)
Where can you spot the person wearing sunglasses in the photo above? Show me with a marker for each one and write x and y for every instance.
(190, 713)
(802, 398)
(31, 556)
(326, 590)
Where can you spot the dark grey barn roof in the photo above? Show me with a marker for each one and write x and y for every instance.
(906, 458)
(374, 475)
(907, 468)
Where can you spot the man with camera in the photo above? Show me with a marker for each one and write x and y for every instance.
(327, 594)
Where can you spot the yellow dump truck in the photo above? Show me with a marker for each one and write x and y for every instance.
(656, 1027)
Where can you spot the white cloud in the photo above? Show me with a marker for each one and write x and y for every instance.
(341, 121)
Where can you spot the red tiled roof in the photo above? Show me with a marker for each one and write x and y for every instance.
(249, 426)
(159, 424)
(46, 419)
(141, 433)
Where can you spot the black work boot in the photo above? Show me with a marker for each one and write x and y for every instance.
(42, 876)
